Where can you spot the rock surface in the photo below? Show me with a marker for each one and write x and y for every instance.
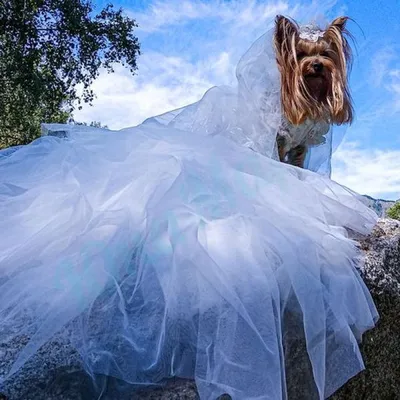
(381, 346)
(43, 380)
(380, 206)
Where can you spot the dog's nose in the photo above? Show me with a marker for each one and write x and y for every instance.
(317, 66)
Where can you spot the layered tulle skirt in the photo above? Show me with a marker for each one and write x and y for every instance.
(160, 253)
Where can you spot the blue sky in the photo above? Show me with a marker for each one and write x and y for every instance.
(190, 45)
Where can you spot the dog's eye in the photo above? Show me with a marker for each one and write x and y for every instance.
(301, 55)
(325, 54)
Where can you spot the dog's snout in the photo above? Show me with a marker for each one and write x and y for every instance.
(317, 66)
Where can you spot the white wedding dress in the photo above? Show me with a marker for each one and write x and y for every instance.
(181, 247)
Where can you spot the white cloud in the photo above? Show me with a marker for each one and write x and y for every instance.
(163, 14)
(166, 83)
(395, 87)
(368, 171)
(380, 65)
(385, 75)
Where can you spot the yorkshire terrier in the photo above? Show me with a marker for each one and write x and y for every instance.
(314, 67)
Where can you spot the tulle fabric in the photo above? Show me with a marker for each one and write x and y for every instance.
(181, 247)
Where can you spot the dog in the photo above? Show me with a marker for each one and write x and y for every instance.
(314, 66)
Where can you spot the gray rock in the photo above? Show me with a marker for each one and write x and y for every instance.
(380, 206)
(381, 346)
(44, 379)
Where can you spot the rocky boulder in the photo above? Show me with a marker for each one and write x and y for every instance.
(380, 346)
(380, 206)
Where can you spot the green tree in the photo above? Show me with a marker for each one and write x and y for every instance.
(48, 50)
(394, 211)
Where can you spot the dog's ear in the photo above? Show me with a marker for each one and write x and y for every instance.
(337, 34)
(284, 28)
(339, 23)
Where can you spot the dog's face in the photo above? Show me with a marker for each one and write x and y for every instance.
(317, 63)
(314, 73)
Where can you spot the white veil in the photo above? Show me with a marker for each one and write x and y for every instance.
(249, 114)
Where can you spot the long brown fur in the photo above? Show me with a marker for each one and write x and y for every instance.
(304, 93)
(295, 57)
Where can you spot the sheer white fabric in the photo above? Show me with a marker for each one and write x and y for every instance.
(181, 247)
